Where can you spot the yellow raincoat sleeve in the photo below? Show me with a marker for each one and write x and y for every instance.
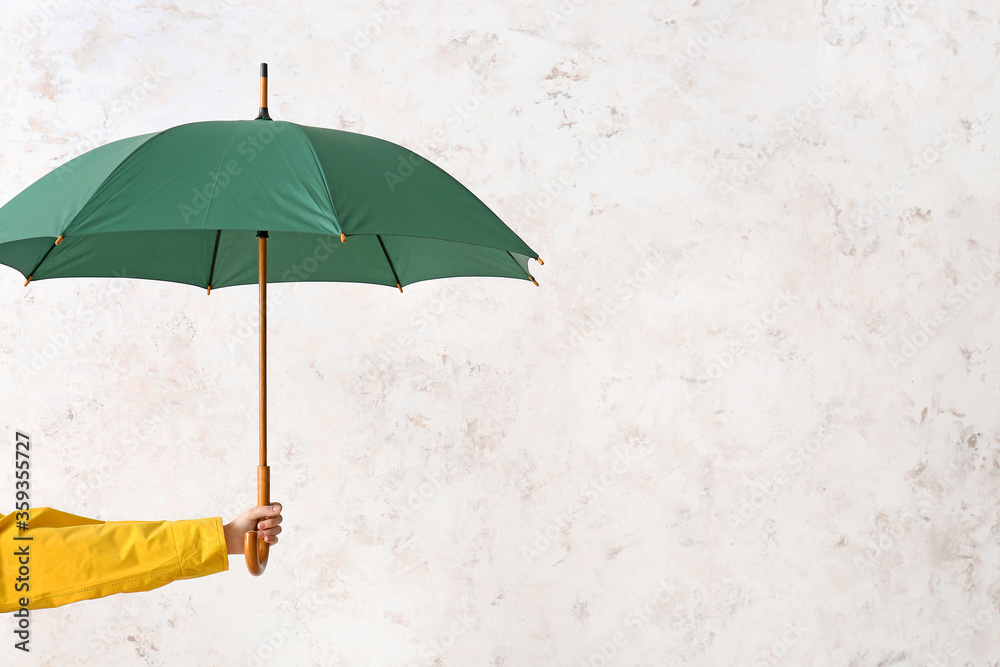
(72, 558)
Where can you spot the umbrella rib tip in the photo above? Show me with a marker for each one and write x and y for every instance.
(533, 280)
(59, 240)
(400, 288)
(28, 280)
(343, 237)
(539, 260)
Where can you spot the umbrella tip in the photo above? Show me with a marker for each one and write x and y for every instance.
(539, 260)
(209, 290)
(28, 280)
(400, 288)
(262, 114)
(343, 237)
(533, 280)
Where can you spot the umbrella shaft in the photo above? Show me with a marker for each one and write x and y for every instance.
(262, 271)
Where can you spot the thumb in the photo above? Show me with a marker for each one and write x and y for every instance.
(263, 511)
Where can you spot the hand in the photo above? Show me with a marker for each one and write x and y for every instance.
(267, 520)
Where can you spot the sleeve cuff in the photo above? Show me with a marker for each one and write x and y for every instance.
(201, 547)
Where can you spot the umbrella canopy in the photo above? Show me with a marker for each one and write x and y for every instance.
(184, 205)
(198, 203)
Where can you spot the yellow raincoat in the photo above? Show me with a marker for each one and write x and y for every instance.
(72, 558)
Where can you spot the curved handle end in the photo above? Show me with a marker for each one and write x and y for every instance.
(255, 551)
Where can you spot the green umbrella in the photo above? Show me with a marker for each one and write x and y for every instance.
(198, 203)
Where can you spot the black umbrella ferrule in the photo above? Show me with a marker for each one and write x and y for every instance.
(261, 235)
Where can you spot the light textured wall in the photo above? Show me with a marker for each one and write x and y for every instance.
(750, 417)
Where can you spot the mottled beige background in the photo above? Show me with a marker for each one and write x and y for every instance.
(749, 418)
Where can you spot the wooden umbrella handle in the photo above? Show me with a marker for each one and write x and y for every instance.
(255, 549)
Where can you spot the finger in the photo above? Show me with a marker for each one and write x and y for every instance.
(270, 532)
(270, 539)
(269, 522)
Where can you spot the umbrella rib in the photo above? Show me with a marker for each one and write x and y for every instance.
(516, 262)
(35, 270)
(218, 172)
(522, 268)
(215, 253)
(322, 173)
(109, 179)
(391, 267)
